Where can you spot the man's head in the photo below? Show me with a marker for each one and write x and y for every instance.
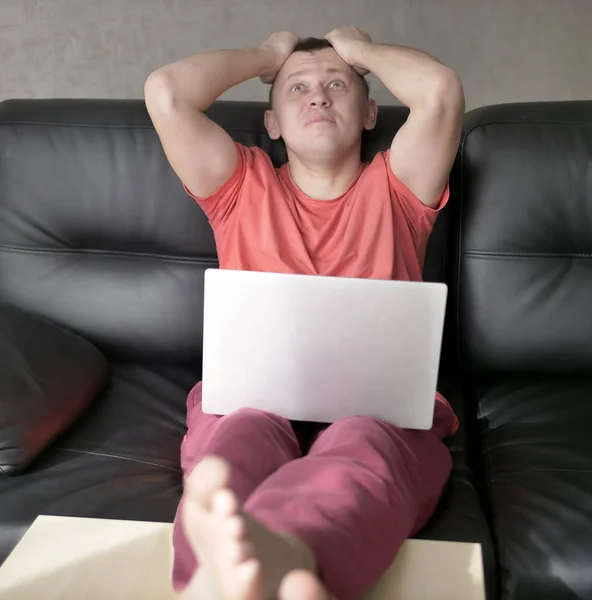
(319, 104)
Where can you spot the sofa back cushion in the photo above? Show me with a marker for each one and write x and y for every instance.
(524, 285)
(96, 232)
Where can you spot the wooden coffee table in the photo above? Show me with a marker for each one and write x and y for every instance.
(68, 558)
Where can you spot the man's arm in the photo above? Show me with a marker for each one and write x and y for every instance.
(423, 150)
(201, 153)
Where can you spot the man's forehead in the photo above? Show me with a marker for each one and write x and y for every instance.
(300, 62)
(301, 72)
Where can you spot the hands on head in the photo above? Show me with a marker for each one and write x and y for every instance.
(282, 44)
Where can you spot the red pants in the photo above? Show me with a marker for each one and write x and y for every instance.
(361, 490)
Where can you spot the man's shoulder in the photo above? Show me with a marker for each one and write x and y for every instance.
(255, 156)
(375, 170)
(257, 166)
(252, 149)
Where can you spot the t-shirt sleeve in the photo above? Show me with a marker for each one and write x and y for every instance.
(219, 205)
(420, 218)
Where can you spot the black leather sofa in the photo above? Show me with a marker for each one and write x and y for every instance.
(102, 258)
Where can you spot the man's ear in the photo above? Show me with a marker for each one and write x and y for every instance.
(271, 125)
(371, 115)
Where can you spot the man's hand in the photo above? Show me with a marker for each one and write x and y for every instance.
(343, 40)
(282, 43)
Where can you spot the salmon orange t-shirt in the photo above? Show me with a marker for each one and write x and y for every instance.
(262, 221)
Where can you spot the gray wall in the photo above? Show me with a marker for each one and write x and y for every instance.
(505, 50)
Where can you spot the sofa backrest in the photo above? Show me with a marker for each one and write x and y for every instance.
(97, 234)
(523, 284)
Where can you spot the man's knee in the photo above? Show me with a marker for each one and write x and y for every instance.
(258, 422)
(361, 423)
(360, 428)
(252, 415)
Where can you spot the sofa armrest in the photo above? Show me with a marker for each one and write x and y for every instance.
(48, 378)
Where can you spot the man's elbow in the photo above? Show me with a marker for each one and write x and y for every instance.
(447, 91)
(158, 91)
(156, 88)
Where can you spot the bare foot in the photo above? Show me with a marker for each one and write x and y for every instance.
(239, 558)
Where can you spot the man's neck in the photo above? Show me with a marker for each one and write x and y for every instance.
(324, 180)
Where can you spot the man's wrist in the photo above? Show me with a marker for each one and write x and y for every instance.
(357, 54)
(269, 55)
(269, 62)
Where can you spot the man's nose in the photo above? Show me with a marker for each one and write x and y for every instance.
(319, 97)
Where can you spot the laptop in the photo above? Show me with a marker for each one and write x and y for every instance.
(316, 348)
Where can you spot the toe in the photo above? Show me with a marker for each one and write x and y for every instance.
(248, 578)
(236, 554)
(302, 585)
(209, 476)
(235, 527)
(224, 503)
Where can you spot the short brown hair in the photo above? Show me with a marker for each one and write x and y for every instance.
(312, 44)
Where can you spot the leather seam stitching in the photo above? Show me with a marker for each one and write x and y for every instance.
(84, 125)
(524, 255)
(522, 472)
(531, 123)
(143, 128)
(139, 255)
(107, 455)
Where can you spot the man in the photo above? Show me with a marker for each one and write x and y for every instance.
(257, 512)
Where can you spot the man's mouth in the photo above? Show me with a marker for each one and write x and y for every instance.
(320, 119)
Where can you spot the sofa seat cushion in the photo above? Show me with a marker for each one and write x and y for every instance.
(538, 462)
(460, 516)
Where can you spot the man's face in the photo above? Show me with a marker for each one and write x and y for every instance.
(319, 104)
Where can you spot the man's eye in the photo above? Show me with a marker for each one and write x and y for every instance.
(297, 88)
(339, 83)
